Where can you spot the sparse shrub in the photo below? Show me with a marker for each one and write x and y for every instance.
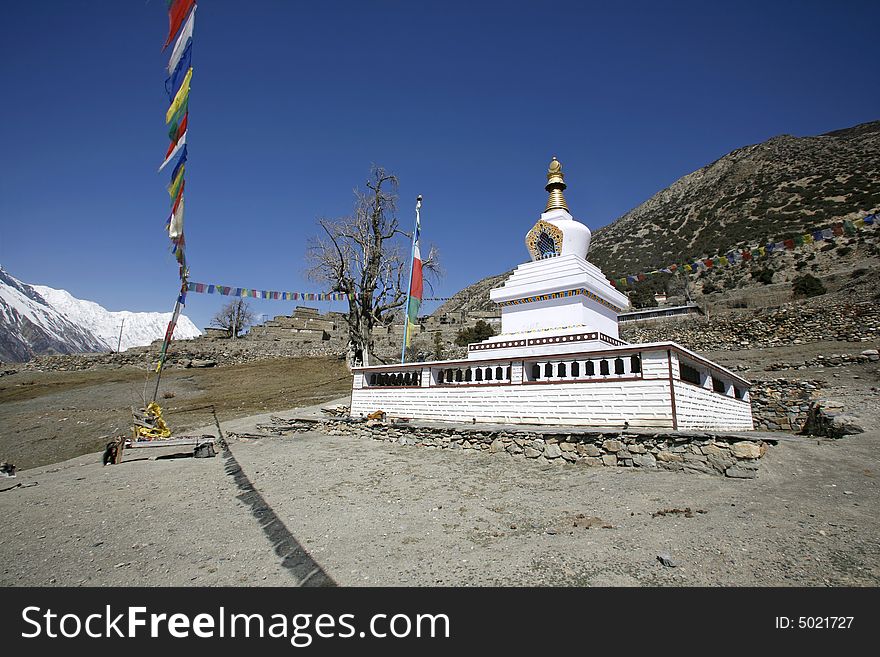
(807, 285)
(844, 251)
(858, 273)
(477, 333)
(642, 297)
(709, 288)
(828, 246)
(764, 276)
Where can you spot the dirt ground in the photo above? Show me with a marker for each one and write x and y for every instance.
(47, 417)
(314, 509)
(317, 509)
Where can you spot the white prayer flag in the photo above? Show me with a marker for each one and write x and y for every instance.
(175, 228)
(180, 45)
(175, 152)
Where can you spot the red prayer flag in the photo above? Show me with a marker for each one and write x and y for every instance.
(176, 15)
(177, 200)
(788, 244)
(837, 230)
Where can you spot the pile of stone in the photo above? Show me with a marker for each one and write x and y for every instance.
(834, 360)
(827, 418)
(783, 404)
(705, 452)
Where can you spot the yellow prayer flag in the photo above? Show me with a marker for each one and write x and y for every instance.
(858, 223)
(808, 239)
(180, 97)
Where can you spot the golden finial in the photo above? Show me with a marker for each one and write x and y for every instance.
(555, 185)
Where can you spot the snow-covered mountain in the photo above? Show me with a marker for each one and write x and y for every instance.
(35, 319)
(138, 329)
(30, 326)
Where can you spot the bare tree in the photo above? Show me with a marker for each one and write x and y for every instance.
(359, 255)
(234, 317)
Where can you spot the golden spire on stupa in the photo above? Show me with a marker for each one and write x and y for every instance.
(555, 185)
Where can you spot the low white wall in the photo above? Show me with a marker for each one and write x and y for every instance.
(701, 408)
(606, 403)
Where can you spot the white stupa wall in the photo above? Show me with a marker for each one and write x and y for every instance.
(653, 398)
(579, 296)
(559, 313)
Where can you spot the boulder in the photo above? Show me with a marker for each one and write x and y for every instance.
(745, 450)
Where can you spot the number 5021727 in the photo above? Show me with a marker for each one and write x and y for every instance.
(814, 622)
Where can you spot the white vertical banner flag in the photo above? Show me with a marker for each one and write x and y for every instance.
(180, 45)
(175, 228)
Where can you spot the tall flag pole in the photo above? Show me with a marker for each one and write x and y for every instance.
(181, 22)
(414, 297)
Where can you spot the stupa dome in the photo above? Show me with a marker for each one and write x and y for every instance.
(557, 233)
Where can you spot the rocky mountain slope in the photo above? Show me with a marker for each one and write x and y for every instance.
(37, 320)
(774, 190)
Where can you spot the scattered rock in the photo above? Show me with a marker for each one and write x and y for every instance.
(666, 560)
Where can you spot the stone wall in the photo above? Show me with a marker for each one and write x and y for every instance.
(790, 324)
(705, 452)
(781, 404)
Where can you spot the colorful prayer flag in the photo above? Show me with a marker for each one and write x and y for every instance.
(176, 179)
(174, 150)
(181, 97)
(176, 13)
(175, 228)
(177, 120)
(174, 81)
(182, 42)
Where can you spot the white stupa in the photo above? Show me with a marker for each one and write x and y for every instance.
(559, 290)
(559, 359)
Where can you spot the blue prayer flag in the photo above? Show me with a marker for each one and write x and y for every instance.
(175, 80)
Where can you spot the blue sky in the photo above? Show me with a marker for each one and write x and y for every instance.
(466, 102)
